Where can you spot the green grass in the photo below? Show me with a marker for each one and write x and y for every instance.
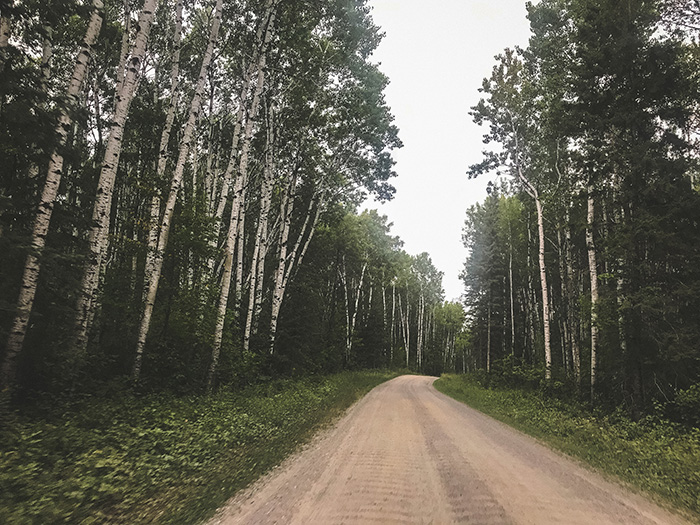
(158, 458)
(659, 457)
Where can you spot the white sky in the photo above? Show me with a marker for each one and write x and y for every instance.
(436, 54)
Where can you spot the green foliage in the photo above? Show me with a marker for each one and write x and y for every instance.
(685, 408)
(159, 458)
(654, 454)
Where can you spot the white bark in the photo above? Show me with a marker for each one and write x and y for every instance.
(543, 274)
(124, 54)
(532, 191)
(257, 271)
(545, 291)
(225, 287)
(421, 331)
(488, 335)
(99, 231)
(384, 314)
(286, 206)
(46, 55)
(575, 349)
(154, 216)
(42, 220)
(593, 272)
(175, 184)
(263, 37)
(407, 324)
(5, 31)
(393, 323)
(358, 292)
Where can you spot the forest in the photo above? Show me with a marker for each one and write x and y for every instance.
(584, 265)
(179, 199)
(193, 282)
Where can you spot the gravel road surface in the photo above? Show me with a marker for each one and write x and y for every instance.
(408, 454)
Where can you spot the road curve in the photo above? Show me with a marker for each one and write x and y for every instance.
(408, 454)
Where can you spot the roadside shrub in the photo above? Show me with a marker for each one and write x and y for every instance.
(685, 408)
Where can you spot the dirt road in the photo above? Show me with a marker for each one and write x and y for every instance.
(408, 454)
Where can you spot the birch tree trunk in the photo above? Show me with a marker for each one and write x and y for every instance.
(386, 353)
(358, 293)
(257, 270)
(225, 286)
(510, 290)
(393, 323)
(564, 317)
(344, 281)
(42, 220)
(5, 31)
(421, 331)
(532, 191)
(163, 153)
(408, 328)
(99, 231)
(545, 291)
(488, 335)
(593, 271)
(175, 183)
(573, 324)
(402, 327)
(124, 53)
(287, 263)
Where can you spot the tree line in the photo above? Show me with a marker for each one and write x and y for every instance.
(179, 191)
(584, 259)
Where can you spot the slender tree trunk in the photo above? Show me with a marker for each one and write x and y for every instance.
(228, 174)
(392, 337)
(564, 311)
(545, 292)
(46, 55)
(5, 32)
(571, 301)
(384, 317)
(257, 271)
(42, 219)
(124, 54)
(358, 292)
(488, 335)
(278, 290)
(175, 184)
(291, 261)
(421, 331)
(346, 295)
(98, 237)
(593, 271)
(225, 287)
(530, 188)
(407, 322)
(402, 327)
(163, 154)
(510, 290)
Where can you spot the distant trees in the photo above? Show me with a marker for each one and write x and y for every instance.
(605, 107)
(379, 305)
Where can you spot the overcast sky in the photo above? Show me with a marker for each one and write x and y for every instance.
(436, 54)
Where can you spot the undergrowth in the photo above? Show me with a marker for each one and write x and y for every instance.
(653, 454)
(159, 458)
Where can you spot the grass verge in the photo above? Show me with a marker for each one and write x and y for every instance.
(657, 456)
(160, 459)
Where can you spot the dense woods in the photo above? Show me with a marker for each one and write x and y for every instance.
(179, 189)
(584, 259)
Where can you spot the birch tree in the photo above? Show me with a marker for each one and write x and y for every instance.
(42, 219)
(175, 185)
(98, 236)
(506, 112)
